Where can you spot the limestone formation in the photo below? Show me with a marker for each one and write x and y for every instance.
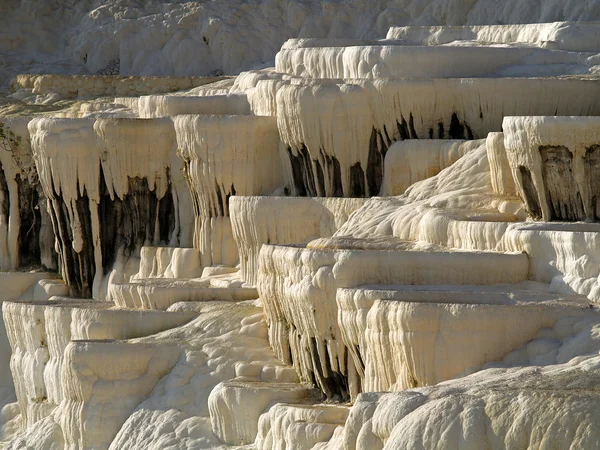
(386, 235)
(109, 187)
(225, 156)
(25, 231)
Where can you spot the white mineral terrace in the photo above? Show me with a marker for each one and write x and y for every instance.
(279, 220)
(225, 156)
(66, 86)
(403, 337)
(305, 327)
(171, 105)
(572, 36)
(316, 121)
(413, 61)
(389, 239)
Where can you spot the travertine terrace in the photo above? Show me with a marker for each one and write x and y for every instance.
(384, 238)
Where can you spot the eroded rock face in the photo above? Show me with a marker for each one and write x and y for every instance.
(26, 238)
(282, 302)
(225, 156)
(307, 333)
(110, 191)
(326, 161)
(554, 162)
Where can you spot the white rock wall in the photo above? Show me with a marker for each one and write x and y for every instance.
(403, 337)
(412, 160)
(467, 410)
(298, 286)
(573, 36)
(225, 156)
(390, 61)
(553, 160)
(336, 134)
(26, 237)
(86, 167)
(283, 220)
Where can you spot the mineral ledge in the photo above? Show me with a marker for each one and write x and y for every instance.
(387, 238)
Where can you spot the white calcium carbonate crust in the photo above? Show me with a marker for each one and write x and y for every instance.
(225, 341)
(230, 36)
(283, 220)
(412, 160)
(389, 61)
(573, 36)
(350, 224)
(492, 408)
(225, 156)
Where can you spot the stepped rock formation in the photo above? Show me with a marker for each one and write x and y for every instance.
(384, 236)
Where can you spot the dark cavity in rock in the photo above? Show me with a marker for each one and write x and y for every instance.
(562, 193)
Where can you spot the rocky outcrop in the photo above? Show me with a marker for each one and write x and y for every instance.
(110, 190)
(242, 290)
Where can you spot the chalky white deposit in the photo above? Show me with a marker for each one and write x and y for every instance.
(387, 240)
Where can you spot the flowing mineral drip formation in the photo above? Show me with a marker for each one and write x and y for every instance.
(373, 114)
(389, 61)
(307, 333)
(257, 221)
(377, 243)
(225, 156)
(108, 182)
(402, 337)
(26, 238)
(553, 160)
